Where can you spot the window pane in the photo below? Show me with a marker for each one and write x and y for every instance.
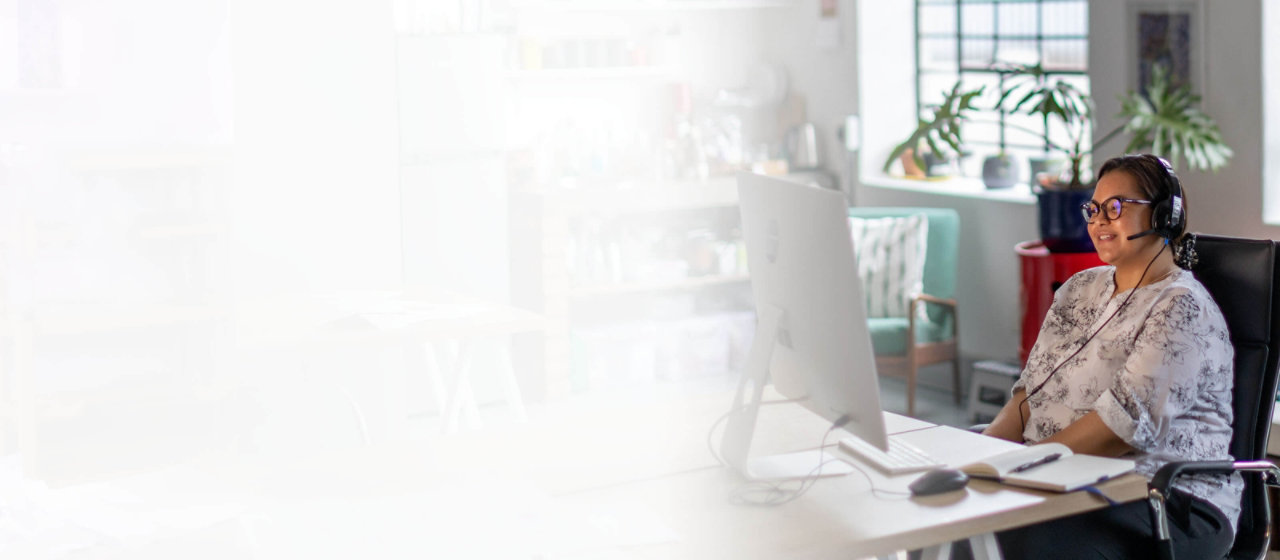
(977, 53)
(1018, 19)
(977, 19)
(1066, 54)
(938, 19)
(989, 95)
(938, 54)
(1024, 129)
(981, 132)
(934, 87)
(1018, 51)
(1066, 19)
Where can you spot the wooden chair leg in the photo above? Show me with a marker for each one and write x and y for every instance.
(955, 375)
(911, 389)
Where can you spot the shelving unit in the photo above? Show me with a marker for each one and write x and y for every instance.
(605, 186)
(543, 241)
(136, 241)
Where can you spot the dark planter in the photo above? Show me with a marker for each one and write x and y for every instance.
(1062, 227)
(935, 166)
(999, 172)
(1039, 164)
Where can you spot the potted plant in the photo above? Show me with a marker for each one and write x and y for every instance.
(1000, 171)
(941, 128)
(1165, 121)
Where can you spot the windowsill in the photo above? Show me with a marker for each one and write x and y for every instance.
(964, 187)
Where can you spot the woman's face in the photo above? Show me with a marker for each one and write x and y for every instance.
(1110, 237)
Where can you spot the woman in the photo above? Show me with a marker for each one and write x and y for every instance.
(1133, 360)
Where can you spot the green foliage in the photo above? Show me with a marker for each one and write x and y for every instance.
(1167, 122)
(941, 128)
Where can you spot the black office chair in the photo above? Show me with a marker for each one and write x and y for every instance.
(1241, 275)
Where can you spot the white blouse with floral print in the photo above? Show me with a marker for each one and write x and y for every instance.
(1159, 374)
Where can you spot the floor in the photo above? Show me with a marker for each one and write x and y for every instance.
(932, 404)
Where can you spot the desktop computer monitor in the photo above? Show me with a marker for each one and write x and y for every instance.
(811, 336)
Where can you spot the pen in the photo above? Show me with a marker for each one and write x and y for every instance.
(1033, 464)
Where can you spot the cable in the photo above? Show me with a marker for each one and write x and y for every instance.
(775, 493)
(711, 432)
(1021, 419)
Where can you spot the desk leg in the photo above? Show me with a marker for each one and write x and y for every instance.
(939, 552)
(510, 386)
(461, 395)
(434, 376)
(985, 547)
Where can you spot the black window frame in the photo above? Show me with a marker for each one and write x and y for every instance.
(961, 70)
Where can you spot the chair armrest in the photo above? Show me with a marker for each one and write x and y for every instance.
(934, 299)
(1163, 480)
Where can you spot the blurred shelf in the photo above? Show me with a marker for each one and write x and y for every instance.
(654, 196)
(168, 231)
(605, 290)
(68, 319)
(142, 158)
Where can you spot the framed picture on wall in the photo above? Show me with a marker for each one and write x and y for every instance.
(1167, 34)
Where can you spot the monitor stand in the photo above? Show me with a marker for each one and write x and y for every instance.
(736, 445)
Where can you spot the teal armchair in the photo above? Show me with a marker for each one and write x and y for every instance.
(904, 344)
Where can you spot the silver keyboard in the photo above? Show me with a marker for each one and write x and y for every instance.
(901, 458)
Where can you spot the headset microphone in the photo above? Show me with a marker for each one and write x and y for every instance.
(1140, 234)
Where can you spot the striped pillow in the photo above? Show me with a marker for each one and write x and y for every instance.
(890, 255)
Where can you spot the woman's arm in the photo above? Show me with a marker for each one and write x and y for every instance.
(1091, 436)
(1008, 424)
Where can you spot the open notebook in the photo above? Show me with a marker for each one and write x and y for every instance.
(1048, 466)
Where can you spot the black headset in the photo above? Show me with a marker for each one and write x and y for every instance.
(1168, 217)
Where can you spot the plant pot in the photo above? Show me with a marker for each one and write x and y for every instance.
(1062, 227)
(1039, 164)
(937, 166)
(909, 167)
(999, 172)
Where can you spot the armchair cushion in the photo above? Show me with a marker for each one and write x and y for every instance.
(889, 334)
(891, 256)
(941, 248)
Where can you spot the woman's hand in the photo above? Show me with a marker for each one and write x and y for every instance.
(1008, 424)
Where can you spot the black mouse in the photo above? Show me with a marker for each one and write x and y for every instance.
(938, 481)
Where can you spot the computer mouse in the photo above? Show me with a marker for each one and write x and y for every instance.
(938, 481)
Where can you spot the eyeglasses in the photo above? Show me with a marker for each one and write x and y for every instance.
(1113, 207)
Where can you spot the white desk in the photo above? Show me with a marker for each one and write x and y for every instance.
(447, 326)
(838, 517)
(617, 478)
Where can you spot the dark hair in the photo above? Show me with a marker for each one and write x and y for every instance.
(1156, 179)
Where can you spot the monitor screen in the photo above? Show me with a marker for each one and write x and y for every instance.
(812, 339)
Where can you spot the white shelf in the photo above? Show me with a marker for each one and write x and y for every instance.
(655, 196)
(964, 187)
(647, 287)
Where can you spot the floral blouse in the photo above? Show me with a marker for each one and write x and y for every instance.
(1159, 374)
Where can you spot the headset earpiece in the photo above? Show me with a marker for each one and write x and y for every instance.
(1168, 215)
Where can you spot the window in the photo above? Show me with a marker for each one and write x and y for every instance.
(967, 39)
